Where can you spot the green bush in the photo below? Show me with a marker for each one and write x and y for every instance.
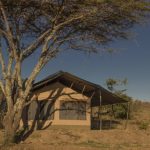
(120, 111)
(143, 125)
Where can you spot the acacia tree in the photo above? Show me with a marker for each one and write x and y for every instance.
(119, 110)
(111, 83)
(51, 26)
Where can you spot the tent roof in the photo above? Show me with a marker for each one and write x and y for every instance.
(78, 85)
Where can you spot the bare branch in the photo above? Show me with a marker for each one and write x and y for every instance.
(9, 34)
(69, 20)
(46, 55)
(9, 67)
(5, 18)
(28, 51)
(13, 76)
(34, 98)
(31, 48)
(2, 87)
(3, 32)
(18, 71)
(2, 62)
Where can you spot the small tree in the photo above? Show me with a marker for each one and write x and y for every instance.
(119, 110)
(52, 26)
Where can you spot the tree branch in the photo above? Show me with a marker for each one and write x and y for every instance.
(9, 67)
(2, 87)
(2, 63)
(30, 49)
(9, 34)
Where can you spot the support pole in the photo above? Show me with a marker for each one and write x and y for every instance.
(71, 84)
(90, 99)
(100, 117)
(92, 95)
(126, 124)
(111, 116)
(83, 89)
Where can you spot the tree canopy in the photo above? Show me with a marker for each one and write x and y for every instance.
(72, 21)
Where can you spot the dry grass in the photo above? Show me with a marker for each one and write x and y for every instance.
(82, 138)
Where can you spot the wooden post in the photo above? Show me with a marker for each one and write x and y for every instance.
(100, 118)
(111, 115)
(91, 107)
(83, 89)
(71, 84)
(128, 104)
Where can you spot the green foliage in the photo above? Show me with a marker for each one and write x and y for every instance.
(112, 84)
(143, 125)
(120, 110)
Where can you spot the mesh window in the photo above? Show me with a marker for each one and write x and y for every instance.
(70, 110)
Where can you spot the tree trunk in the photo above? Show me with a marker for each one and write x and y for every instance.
(11, 125)
(9, 134)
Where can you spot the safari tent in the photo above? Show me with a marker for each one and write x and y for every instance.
(65, 99)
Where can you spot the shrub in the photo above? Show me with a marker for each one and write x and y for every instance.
(143, 125)
(120, 111)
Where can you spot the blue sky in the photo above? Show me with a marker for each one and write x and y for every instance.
(131, 61)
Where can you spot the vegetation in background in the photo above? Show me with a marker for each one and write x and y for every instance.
(119, 110)
(143, 125)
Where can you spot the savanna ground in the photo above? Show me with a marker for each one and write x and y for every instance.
(135, 137)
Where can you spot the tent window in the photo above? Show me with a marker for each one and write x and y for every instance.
(71, 110)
